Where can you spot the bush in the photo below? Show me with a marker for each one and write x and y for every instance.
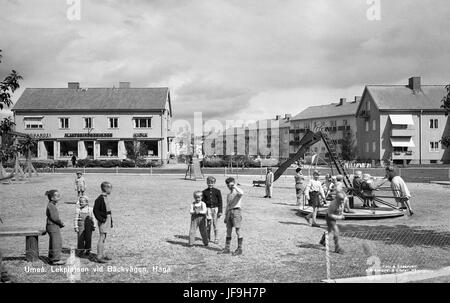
(127, 163)
(61, 164)
(110, 163)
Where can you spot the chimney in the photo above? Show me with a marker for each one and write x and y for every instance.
(414, 83)
(358, 98)
(278, 117)
(342, 101)
(73, 85)
(287, 117)
(124, 84)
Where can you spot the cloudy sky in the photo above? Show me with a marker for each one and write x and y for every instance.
(235, 59)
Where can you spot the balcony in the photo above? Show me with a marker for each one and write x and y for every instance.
(404, 155)
(403, 132)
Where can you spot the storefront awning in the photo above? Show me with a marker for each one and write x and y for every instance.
(402, 142)
(401, 119)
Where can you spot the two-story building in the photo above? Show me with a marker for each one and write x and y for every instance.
(403, 123)
(96, 123)
(338, 118)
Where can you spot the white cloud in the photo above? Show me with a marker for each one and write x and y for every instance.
(229, 59)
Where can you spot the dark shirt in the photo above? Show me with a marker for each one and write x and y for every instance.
(357, 182)
(213, 198)
(100, 211)
(54, 223)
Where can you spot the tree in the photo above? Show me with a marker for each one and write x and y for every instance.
(7, 87)
(446, 106)
(348, 147)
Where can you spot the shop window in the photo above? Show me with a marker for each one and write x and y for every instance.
(68, 148)
(108, 148)
(149, 148)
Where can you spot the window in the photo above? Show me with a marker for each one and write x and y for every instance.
(88, 123)
(113, 122)
(33, 123)
(400, 149)
(108, 148)
(367, 126)
(374, 125)
(142, 122)
(367, 147)
(323, 149)
(64, 123)
(434, 123)
(307, 125)
(434, 146)
(68, 148)
(213, 144)
(333, 123)
(368, 106)
(374, 146)
(345, 122)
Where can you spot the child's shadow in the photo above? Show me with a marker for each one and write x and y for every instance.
(310, 246)
(186, 244)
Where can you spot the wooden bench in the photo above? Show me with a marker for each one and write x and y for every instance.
(31, 240)
(259, 183)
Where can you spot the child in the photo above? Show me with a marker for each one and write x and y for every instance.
(367, 188)
(334, 213)
(80, 184)
(314, 191)
(338, 187)
(213, 200)
(102, 213)
(53, 228)
(84, 226)
(233, 216)
(399, 189)
(300, 186)
(4, 276)
(198, 219)
(269, 183)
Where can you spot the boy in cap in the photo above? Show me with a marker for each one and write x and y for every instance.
(80, 184)
(314, 191)
(213, 200)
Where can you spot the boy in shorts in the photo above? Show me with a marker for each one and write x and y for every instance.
(102, 213)
(233, 216)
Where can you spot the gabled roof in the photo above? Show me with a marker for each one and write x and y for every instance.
(401, 97)
(93, 99)
(328, 110)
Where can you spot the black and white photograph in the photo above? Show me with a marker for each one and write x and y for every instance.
(224, 147)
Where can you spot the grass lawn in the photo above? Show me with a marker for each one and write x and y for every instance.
(151, 224)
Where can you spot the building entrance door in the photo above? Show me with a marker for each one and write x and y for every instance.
(49, 145)
(89, 149)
